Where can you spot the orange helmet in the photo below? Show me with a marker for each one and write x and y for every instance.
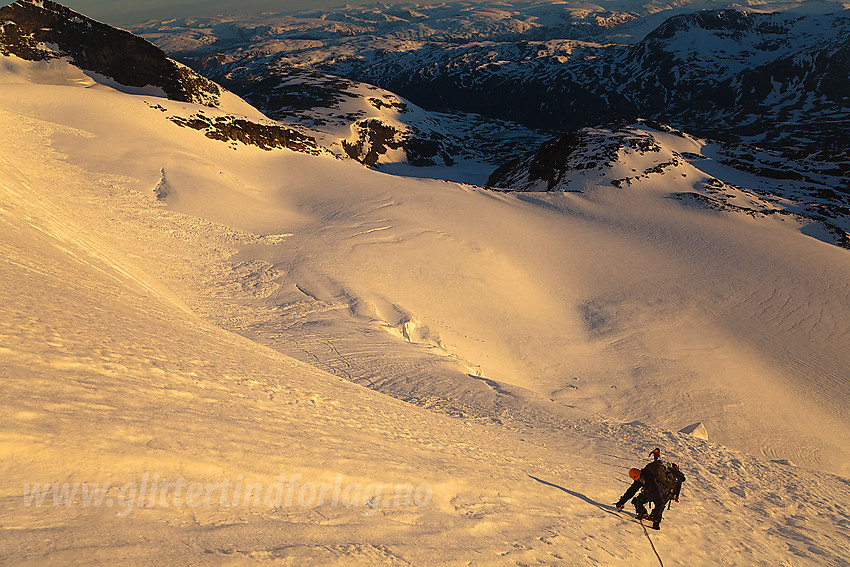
(634, 474)
(655, 453)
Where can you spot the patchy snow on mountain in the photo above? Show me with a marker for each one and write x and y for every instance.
(772, 75)
(380, 129)
(649, 156)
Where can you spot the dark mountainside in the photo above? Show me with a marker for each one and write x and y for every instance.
(29, 29)
(781, 190)
(787, 87)
(777, 80)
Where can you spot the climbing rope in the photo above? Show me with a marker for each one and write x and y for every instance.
(650, 542)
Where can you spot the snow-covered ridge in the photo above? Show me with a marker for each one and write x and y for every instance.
(336, 111)
(55, 41)
(652, 156)
(375, 126)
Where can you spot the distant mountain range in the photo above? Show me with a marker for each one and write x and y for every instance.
(776, 80)
(770, 88)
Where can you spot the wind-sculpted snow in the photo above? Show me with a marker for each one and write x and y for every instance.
(414, 287)
(215, 352)
(110, 379)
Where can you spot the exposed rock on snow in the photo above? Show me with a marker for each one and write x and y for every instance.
(650, 156)
(589, 151)
(265, 136)
(40, 29)
(162, 189)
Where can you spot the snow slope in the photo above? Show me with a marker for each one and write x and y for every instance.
(600, 301)
(148, 268)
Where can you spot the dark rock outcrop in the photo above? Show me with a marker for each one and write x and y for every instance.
(40, 29)
(264, 136)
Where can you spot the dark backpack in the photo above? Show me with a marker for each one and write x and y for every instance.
(671, 478)
(667, 478)
(653, 470)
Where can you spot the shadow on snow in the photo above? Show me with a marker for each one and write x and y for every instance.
(604, 507)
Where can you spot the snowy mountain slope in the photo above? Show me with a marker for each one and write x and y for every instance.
(437, 289)
(354, 120)
(49, 32)
(543, 323)
(119, 383)
(107, 378)
(453, 303)
(652, 156)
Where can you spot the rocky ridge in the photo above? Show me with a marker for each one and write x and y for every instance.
(40, 30)
(36, 30)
